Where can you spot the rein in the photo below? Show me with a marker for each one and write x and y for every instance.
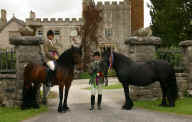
(111, 60)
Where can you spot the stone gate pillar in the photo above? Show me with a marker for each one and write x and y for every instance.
(27, 50)
(142, 48)
(187, 50)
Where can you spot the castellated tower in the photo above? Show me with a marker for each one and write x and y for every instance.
(137, 15)
(116, 25)
(32, 15)
(119, 21)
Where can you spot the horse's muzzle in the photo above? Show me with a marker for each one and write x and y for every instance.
(79, 67)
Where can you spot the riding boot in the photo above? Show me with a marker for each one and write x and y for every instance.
(99, 102)
(92, 102)
(49, 78)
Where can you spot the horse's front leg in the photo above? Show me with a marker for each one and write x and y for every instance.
(60, 98)
(128, 102)
(65, 106)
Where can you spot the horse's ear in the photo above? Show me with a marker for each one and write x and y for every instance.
(108, 49)
(81, 47)
(104, 49)
(72, 46)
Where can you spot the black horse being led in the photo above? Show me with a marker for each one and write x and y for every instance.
(142, 74)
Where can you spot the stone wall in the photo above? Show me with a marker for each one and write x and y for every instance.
(153, 91)
(142, 49)
(4, 34)
(7, 89)
(27, 50)
(187, 51)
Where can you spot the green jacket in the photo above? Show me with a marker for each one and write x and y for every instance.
(95, 68)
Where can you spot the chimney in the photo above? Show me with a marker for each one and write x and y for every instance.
(32, 15)
(3, 16)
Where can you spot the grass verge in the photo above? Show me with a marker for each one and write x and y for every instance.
(85, 75)
(17, 115)
(113, 86)
(51, 95)
(183, 106)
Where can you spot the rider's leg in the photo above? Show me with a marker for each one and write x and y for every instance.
(99, 96)
(93, 92)
(50, 73)
(45, 94)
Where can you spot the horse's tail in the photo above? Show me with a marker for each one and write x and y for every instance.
(27, 87)
(26, 74)
(172, 85)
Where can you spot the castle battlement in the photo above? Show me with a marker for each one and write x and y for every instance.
(53, 20)
(111, 5)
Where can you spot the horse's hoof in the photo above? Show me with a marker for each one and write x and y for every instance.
(126, 107)
(171, 105)
(36, 106)
(60, 109)
(44, 102)
(66, 109)
(23, 107)
(163, 105)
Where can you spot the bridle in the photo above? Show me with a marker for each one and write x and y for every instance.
(111, 60)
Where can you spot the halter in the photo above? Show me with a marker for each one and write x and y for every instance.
(111, 60)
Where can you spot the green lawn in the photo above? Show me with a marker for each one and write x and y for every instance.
(85, 75)
(51, 95)
(113, 86)
(183, 106)
(17, 115)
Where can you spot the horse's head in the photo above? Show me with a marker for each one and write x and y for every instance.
(77, 57)
(107, 57)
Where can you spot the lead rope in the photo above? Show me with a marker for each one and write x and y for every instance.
(111, 59)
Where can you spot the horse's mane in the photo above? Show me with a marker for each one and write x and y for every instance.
(66, 58)
(122, 57)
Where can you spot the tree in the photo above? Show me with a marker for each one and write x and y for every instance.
(171, 20)
(91, 19)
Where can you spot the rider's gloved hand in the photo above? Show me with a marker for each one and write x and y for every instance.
(56, 57)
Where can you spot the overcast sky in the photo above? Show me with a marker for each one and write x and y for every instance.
(52, 8)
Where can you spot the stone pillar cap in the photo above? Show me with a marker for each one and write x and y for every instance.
(25, 40)
(135, 40)
(185, 43)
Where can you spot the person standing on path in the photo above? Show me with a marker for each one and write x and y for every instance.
(96, 81)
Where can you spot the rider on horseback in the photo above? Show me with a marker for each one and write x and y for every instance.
(51, 55)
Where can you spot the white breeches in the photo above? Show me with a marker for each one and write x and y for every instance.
(51, 65)
(94, 90)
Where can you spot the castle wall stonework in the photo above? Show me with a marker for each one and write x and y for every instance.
(117, 17)
(4, 34)
(64, 27)
(7, 90)
(27, 50)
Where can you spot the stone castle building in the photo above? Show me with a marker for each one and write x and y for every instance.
(119, 21)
